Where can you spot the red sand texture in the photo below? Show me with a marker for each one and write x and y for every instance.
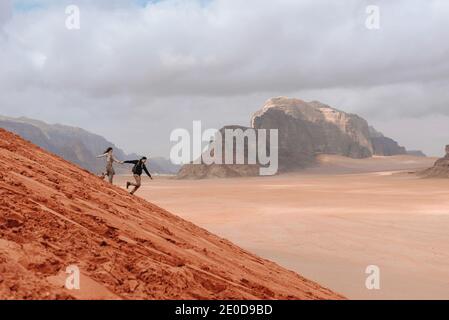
(54, 214)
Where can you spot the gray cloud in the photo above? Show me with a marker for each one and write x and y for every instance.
(5, 11)
(159, 67)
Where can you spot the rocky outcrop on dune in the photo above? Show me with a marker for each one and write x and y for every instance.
(75, 144)
(440, 168)
(54, 215)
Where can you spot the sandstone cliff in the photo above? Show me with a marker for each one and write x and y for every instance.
(307, 129)
(384, 146)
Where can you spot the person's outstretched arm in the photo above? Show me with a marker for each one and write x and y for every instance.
(115, 160)
(102, 155)
(131, 161)
(147, 172)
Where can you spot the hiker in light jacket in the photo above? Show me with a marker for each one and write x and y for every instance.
(110, 159)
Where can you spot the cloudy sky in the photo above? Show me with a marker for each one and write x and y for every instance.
(137, 69)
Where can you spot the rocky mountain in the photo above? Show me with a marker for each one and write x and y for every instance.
(307, 129)
(57, 220)
(440, 168)
(76, 145)
(384, 146)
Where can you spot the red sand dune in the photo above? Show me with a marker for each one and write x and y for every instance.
(53, 214)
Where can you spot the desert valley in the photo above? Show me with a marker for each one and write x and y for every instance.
(331, 223)
(347, 199)
(221, 159)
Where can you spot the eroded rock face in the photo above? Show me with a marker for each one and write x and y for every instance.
(384, 146)
(307, 129)
(440, 169)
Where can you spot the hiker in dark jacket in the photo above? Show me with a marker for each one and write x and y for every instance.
(138, 169)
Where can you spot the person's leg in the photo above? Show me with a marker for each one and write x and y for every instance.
(137, 184)
(110, 173)
(132, 183)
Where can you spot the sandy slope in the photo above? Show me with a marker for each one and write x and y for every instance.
(331, 227)
(53, 214)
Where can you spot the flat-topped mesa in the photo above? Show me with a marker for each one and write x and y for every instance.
(310, 128)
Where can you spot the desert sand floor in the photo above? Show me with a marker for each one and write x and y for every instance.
(330, 227)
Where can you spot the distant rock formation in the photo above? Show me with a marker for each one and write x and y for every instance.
(440, 168)
(75, 145)
(307, 129)
(203, 171)
(384, 146)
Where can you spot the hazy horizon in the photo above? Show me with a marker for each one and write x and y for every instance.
(143, 68)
